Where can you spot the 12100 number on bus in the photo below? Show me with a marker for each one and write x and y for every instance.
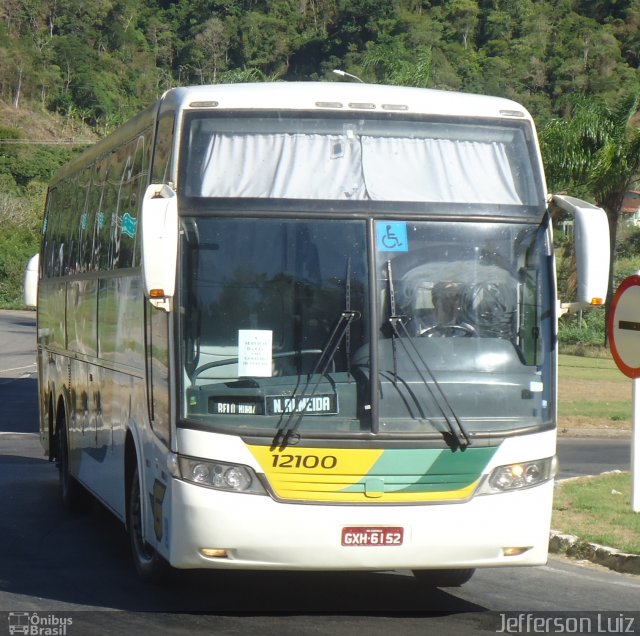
(326, 462)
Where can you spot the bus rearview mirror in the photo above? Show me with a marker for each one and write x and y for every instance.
(592, 249)
(31, 281)
(159, 244)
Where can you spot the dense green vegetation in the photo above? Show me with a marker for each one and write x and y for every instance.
(90, 64)
(24, 171)
(105, 59)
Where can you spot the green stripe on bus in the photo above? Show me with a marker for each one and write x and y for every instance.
(427, 470)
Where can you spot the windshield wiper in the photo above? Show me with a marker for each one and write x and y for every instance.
(456, 427)
(287, 429)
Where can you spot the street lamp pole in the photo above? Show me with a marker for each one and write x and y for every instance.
(342, 73)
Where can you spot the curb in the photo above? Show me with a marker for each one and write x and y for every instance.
(611, 558)
(594, 432)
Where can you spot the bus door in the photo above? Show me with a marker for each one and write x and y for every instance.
(157, 441)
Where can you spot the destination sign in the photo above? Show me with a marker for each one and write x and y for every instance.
(315, 405)
(231, 406)
(275, 405)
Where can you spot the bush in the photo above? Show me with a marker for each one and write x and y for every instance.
(628, 245)
(17, 246)
(24, 170)
(587, 328)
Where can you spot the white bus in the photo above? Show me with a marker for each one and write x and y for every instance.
(310, 326)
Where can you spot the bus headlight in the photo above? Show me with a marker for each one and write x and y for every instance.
(220, 475)
(520, 475)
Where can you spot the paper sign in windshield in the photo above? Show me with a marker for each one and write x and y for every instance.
(254, 353)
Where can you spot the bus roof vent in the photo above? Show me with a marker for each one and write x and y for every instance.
(394, 107)
(328, 104)
(203, 104)
(362, 105)
(512, 113)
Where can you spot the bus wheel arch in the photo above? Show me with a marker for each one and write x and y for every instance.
(52, 442)
(130, 463)
(74, 496)
(57, 423)
(151, 567)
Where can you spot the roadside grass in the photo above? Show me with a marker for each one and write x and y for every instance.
(598, 510)
(592, 393)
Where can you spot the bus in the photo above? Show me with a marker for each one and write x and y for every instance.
(310, 326)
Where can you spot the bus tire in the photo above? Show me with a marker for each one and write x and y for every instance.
(443, 578)
(74, 496)
(151, 567)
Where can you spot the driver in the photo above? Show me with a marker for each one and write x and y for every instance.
(446, 301)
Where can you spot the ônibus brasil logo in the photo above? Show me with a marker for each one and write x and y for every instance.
(38, 624)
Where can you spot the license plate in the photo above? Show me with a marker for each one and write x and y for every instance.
(355, 536)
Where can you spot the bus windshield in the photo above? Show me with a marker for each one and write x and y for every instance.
(351, 159)
(282, 322)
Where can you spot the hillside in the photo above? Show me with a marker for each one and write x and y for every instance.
(37, 125)
(99, 62)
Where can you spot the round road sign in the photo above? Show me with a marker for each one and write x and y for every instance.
(624, 326)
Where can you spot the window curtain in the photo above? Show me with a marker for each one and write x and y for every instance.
(437, 170)
(313, 166)
(290, 166)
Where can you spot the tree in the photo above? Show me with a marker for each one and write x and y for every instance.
(392, 65)
(597, 149)
(462, 19)
(213, 44)
(265, 42)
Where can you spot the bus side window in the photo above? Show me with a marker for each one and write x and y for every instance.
(96, 213)
(85, 225)
(48, 239)
(107, 209)
(112, 201)
(127, 214)
(140, 181)
(57, 231)
(65, 230)
(161, 168)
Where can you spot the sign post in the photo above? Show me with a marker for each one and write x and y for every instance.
(635, 448)
(624, 338)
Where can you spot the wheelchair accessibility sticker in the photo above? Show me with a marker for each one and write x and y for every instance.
(391, 236)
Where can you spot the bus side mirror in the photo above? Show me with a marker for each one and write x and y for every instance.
(159, 244)
(592, 248)
(31, 281)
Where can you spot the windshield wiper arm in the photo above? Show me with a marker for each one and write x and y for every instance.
(456, 427)
(291, 424)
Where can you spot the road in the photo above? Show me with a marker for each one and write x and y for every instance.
(592, 456)
(17, 372)
(77, 568)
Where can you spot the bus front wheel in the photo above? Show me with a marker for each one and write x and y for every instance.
(151, 567)
(443, 578)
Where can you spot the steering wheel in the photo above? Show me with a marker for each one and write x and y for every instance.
(443, 331)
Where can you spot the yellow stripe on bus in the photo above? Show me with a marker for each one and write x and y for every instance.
(340, 475)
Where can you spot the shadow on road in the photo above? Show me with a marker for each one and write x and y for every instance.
(19, 400)
(82, 561)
